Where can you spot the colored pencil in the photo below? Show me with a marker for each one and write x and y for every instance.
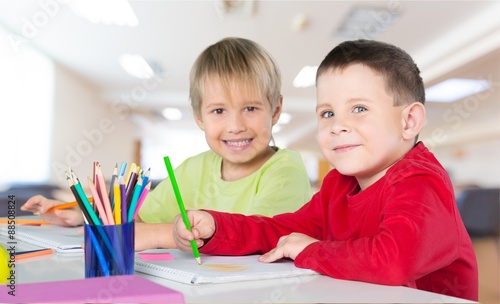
(98, 250)
(33, 253)
(117, 204)
(130, 187)
(123, 196)
(63, 206)
(145, 179)
(112, 184)
(27, 222)
(105, 196)
(67, 205)
(131, 170)
(122, 170)
(81, 198)
(144, 193)
(181, 206)
(98, 203)
(133, 201)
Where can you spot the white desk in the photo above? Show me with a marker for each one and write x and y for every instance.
(307, 289)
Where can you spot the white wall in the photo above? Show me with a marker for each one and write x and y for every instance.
(85, 129)
(473, 162)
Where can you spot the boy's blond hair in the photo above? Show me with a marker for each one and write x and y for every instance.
(235, 60)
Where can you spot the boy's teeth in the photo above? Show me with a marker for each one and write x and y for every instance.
(238, 143)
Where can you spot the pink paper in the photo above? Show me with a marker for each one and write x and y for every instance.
(156, 256)
(123, 289)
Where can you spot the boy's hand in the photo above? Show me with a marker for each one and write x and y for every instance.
(289, 246)
(38, 204)
(202, 227)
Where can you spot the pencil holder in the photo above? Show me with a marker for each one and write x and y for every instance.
(109, 250)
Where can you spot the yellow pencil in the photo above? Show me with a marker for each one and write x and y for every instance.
(132, 168)
(117, 211)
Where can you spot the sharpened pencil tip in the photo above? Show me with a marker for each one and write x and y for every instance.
(198, 260)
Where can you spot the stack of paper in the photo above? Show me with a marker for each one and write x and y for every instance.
(61, 239)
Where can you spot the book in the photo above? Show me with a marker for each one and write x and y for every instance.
(216, 269)
(112, 289)
(61, 239)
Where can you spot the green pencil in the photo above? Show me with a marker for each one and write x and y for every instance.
(181, 206)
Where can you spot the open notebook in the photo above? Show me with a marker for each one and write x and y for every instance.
(183, 268)
(61, 239)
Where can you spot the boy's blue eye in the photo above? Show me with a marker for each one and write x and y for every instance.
(327, 114)
(359, 109)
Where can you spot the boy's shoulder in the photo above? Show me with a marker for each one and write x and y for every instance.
(285, 155)
(419, 161)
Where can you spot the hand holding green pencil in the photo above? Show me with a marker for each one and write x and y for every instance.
(181, 205)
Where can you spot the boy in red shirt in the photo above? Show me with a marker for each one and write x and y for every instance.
(386, 213)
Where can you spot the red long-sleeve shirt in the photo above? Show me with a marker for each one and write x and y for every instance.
(405, 229)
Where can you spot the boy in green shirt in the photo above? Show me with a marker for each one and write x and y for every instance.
(235, 92)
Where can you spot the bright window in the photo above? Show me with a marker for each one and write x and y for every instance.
(26, 102)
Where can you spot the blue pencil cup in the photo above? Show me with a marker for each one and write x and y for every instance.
(109, 250)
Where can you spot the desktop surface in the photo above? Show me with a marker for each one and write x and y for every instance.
(305, 289)
(302, 289)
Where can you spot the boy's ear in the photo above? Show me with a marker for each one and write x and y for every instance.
(413, 120)
(199, 122)
(277, 110)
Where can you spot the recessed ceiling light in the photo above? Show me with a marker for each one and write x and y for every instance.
(172, 113)
(306, 77)
(365, 22)
(107, 12)
(135, 65)
(454, 89)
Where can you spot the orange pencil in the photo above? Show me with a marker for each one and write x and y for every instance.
(33, 253)
(66, 206)
(28, 222)
(63, 206)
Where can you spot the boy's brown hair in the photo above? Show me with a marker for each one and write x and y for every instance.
(235, 60)
(401, 74)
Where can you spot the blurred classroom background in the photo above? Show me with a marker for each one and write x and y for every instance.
(69, 97)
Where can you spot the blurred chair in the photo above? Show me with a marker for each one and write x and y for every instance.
(480, 211)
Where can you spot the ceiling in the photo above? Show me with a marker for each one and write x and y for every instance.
(446, 39)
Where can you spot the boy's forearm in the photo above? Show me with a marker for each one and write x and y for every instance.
(150, 236)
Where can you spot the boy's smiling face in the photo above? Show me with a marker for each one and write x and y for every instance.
(237, 123)
(360, 131)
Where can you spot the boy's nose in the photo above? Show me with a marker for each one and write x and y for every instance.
(338, 126)
(235, 123)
